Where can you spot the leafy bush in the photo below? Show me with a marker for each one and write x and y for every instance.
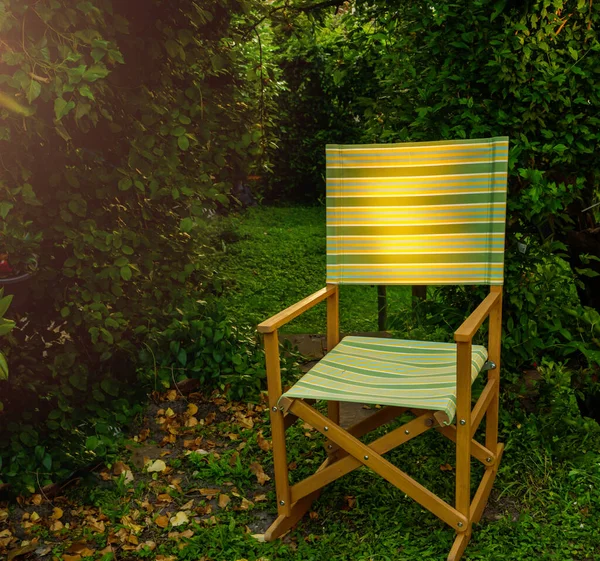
(201, 342)
(6, 325)
(124, 125)
(412, 71)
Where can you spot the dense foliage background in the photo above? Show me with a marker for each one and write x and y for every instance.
(126, 126)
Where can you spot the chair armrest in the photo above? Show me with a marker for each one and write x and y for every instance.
(295, 310)
(467, 330)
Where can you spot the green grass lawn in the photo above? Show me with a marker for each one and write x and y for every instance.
(546, 500)
(541, 508)
(274, 257)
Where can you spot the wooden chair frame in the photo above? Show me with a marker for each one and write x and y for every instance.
(346, 452)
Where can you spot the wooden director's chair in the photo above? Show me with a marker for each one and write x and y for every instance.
(417, 214)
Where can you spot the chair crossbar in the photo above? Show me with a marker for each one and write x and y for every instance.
(485, 487)
(345, 463)
(369, 457)
(482, 404)
(297, 510)
(372, 422)
(478, 451)
(289, 419)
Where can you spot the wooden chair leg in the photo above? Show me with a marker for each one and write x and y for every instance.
(333, 338)
(463, 447)
(485, 487)
(282, 484)
(284, 524)
(458, 547)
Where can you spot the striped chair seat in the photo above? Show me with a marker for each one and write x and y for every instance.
(418, 374)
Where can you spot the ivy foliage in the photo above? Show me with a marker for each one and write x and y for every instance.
(123, 126)
(413, 71)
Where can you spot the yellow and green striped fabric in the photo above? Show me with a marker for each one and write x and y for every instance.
(418, 374)
(417, 213)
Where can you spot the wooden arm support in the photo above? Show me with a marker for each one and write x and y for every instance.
(465, 333)
(295, 310)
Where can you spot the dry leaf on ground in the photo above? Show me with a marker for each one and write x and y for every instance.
(257, 470)
(179, 519)
(263, 443)
(57, 513)
(157, 466)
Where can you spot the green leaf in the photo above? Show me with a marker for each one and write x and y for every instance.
(125, 184)
(121, 262)
(110, 387)
(126, 273)
(4, 304)
(62, 107)
(560, 148)
(178, 131)
(107, 335)
(34, 89)
(6, 325)
(82, 110)
(127, 250)
(95, 72)
(184, 120)
(182, 357)
(65, 312)
(91, 442)
(3, 368)
(47, 462)
(5, 207)
(174, 49)
(186, 225)
(183, 142)
(98, 54)
(116, 56)
(86, 92)
(29, 437)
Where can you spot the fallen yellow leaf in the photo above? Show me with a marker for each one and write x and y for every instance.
(246, 504)
(157, 466)
(151, 545)
(188, 505)
(161, 521)
(97, 526)
(57, 513)
(191, 410)
(224, 500)
(179, 519)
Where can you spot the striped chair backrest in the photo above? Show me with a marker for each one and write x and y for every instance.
(417, 213)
